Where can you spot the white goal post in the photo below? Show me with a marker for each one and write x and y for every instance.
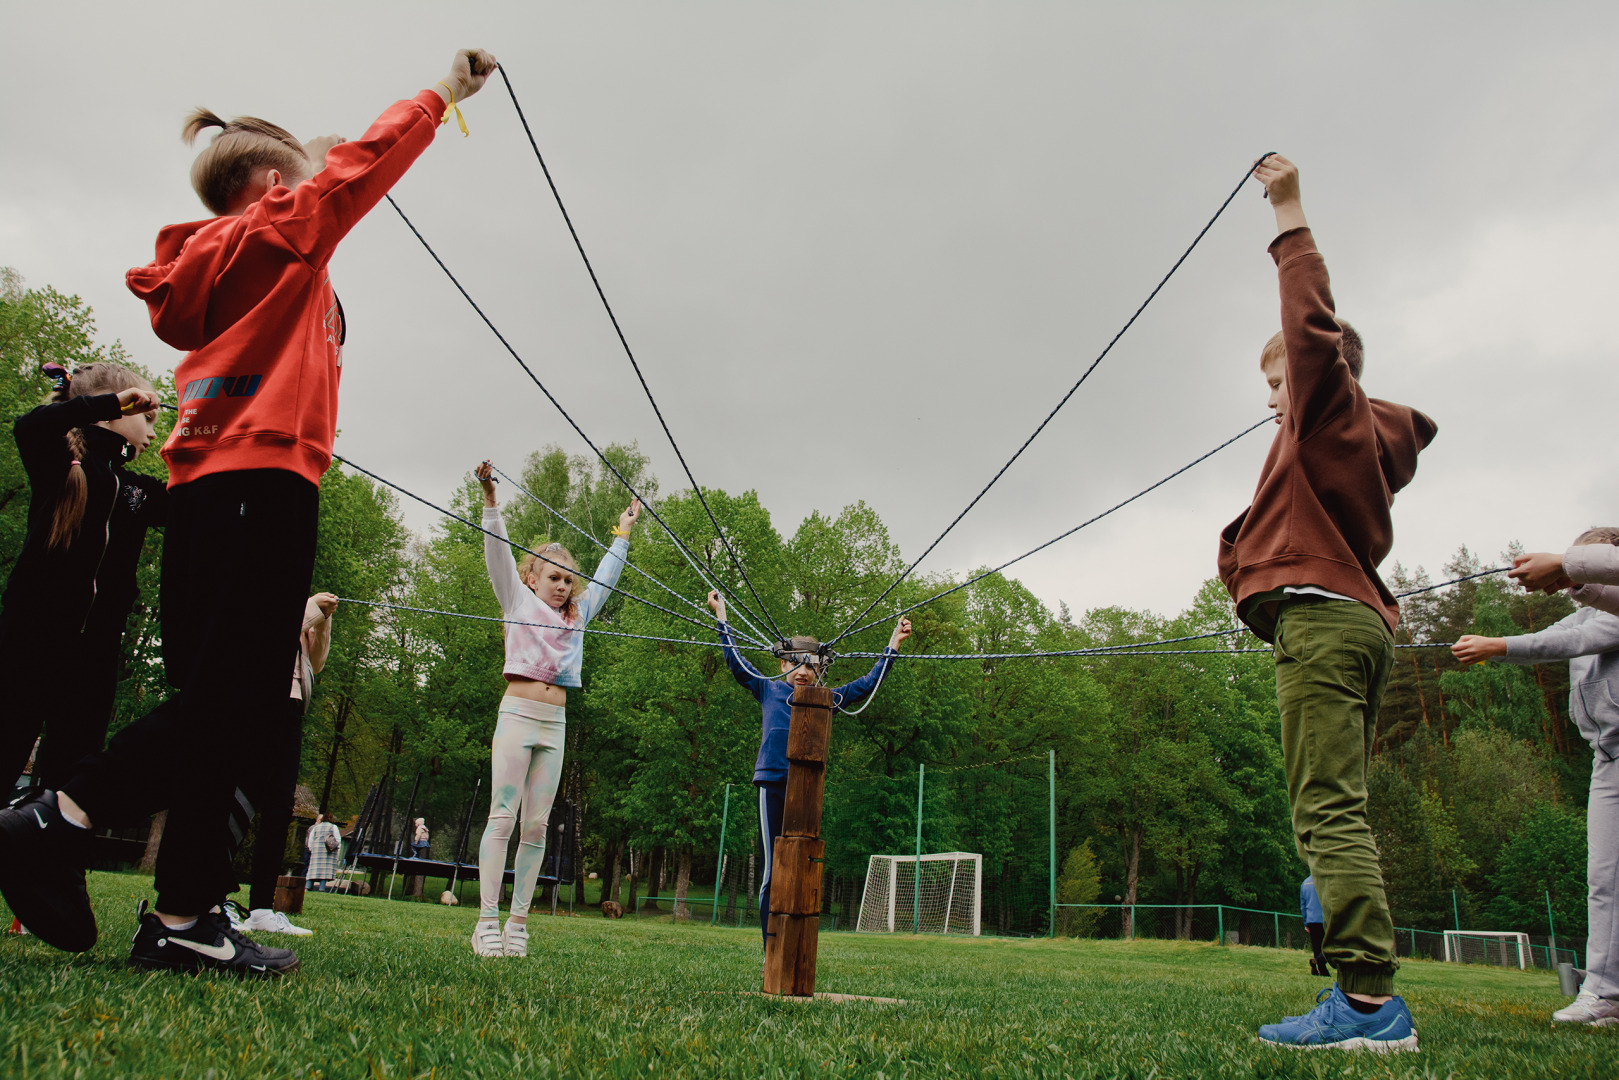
(947, 900)
(1502, 948)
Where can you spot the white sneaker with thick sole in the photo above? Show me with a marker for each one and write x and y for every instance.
(270, 921)
(1588, 1009)
(514, 938)
(486, 938)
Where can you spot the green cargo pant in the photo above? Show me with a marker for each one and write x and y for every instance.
(1332, 663)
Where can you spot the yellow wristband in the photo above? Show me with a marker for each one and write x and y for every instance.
(452, 107)
(625, 533)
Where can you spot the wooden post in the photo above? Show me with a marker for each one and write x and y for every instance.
(795, 868)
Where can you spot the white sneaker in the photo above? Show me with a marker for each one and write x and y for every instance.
(514, 938)
(486, 939)
(1588, 1009)
(271, 921)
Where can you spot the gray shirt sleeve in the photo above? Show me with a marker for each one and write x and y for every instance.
(1584, 633)
(1592, 564)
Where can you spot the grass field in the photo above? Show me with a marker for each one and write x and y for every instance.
(392, 989)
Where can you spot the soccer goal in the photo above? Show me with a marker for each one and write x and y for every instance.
(1502, 948)
(947, 900)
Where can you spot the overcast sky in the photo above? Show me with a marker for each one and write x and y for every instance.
(861, 249)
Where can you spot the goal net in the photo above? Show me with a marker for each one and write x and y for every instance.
(1502, 948)
(936, 894)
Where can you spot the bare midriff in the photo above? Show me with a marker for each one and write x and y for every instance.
(534, 690)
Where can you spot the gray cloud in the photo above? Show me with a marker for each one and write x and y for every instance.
(879, 241)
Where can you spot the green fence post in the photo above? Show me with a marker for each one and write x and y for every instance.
(1553, 928)
(1219, 913)
(1276, 917)
(916, 879)
(1051, 783)
(1455, 911)
(1132, 936)
(719, 875)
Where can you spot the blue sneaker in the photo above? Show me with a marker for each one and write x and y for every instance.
(1334, 1023)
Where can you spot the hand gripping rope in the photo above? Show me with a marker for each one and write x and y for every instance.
(1071, 390)
(628, 352)
(622, 479)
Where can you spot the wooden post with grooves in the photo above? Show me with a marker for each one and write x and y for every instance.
(795, 867)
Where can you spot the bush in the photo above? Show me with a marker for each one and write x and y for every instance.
(1079, 883)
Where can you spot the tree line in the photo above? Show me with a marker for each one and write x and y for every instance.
(1169, 782)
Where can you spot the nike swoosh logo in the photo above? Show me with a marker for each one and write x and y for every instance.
(39, 819)
(218, 952)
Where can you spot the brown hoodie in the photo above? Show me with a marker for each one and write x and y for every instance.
(1320, 515)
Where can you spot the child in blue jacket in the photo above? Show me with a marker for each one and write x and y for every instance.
(799, 667)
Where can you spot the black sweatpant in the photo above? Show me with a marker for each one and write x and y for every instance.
(274, 800)
(60, 680)
(238, 555)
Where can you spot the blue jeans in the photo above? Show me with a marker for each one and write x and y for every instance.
(772, 798)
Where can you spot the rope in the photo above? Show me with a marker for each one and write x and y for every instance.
(1101, 653)
(756, 637)
(519, 547)
(548, 395)
(1452, 581)
(1071, 390)
(1060, 536)
(630, 353)
(543, 626)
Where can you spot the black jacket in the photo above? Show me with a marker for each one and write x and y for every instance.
(88, 586)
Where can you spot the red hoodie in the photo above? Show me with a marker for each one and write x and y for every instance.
(250, 300)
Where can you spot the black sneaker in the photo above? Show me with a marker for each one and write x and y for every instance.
(211, 945)
(42, 861)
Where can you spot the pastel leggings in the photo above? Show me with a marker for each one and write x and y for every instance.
(527, 767)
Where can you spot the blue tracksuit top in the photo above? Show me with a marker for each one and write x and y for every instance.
(776, 696)
(1310, 903)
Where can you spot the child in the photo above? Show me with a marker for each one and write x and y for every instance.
(1589, 641)
(800, 666)
(248, 294)
(1314, 925)
(285, 744)
(1590, 572)
(73, 584)
(541, 661)
(1301, 565)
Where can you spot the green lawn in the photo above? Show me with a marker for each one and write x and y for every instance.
(392, 989)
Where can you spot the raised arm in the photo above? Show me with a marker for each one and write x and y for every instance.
(1319, 383)
(611, 565)
(497, 550)
(1584, 633)
(855, 692)
(742, 671)
(318, 628)
(353, 176)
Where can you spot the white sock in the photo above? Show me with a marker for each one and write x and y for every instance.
(187, 925)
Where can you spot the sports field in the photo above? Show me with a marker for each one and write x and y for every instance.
(391, 989)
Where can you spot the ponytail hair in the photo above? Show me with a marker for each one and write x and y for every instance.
(243, 146)
(98, 378)
(556, 553)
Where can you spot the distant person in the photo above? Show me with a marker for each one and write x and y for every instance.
(1301, 564)
(73, 584)
(800, 666)
(325, 846)
(1314, 925)
(547, 603)
(1589, 640)
(248, 295)
(286, 746)
(1590, 572)
(419, 839)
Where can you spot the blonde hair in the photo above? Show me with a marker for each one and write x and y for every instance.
(1601, 534)
(531, 562)
(243, 146)
(100, 378)
(1350, 345)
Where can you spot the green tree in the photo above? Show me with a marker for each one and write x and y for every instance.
(1079, 883)
(1548, 855)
